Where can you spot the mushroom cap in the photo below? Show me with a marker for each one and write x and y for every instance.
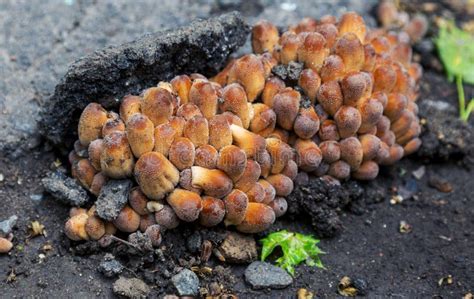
(156, 175)
(213, 211)
(186, 204)
(258, 218)
(128, 220)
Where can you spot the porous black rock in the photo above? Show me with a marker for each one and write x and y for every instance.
(64, 188)
(320, 201)
(112, 198)
(107, 75)
(110, 267)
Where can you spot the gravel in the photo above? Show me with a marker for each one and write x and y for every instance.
(6, 226)
(131, 288)
(261, 275)
(112, 198)
(110, 267)
(186, 283)
(238, 248)
(65, 189)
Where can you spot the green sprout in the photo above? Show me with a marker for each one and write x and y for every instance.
(456, 50)
(297, 248)
(464, 111)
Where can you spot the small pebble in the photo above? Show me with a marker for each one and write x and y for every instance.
(262, 275)
(131, 288)
(110, 267)
(6, 226)
(186, 283)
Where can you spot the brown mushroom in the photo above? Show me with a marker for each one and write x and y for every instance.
(186, 204)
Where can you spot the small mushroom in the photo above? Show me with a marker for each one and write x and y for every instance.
(256, 193)
(249, 177)
(5, 245)
(95, 227)
(330, 33)
(309, 155)
(249, 142)
(351, 50)
(182, 153)
(367, 171)
(181, 85)
(197, 130)
(328, 130)
(156, 175)
(213, 182)
(289, 44)
(351, 152)
(258, 218)
(154, 233)
(75, 227)
(186, 204)
(348, 121)
(204, 96)
(339, 170)
(167, 218)
(220, 134)
(250, 73)
(280, 154)
(94, 151)
(98, 182)
(264, 120)
(232, 160)
(265, 161)
(138, 201)
(264, 37)
(140, 134)
(164, 135)
(234, 99)
(91, 122)
(206, 156)
(146, 221)
(291, 169)
(286, 105)
(213, 211)
(157, 105)
(128, 220)
(333, 68)
(330, 151)
(283, 185)
(411, 146)
(188, 111)
(352, 22)
(116, 159)
(313, 50)
(129, 106)
(279, 206)
(84, 172)
(185, 181)
(370, 146)
(306, 123)
(273, 85)
(269, 190)
(113, 124)
(309, 81)
(236, 203)
(330, 97)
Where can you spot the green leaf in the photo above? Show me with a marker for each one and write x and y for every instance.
(456, 50)
(296, 248)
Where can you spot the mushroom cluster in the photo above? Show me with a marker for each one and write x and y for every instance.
(227, 149)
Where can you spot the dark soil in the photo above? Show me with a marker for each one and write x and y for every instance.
(369, 245)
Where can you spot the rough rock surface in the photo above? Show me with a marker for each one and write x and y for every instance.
(107, 75)
(261, 275)
(6, 226)
(238, 248)
(131, 288)
(65, 189)
(186, 283)
(112, 198)
(110, 267)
